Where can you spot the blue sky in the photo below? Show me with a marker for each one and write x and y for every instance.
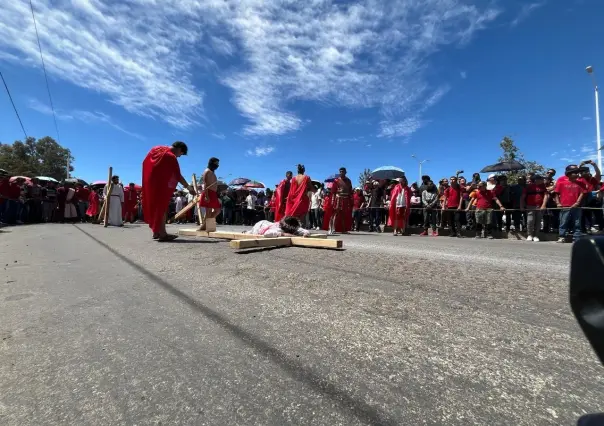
(264, 85)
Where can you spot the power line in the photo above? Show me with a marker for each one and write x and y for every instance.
(54, 116)
(14, 107)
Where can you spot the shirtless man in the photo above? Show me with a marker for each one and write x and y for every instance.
(342, 203)
(209, 197)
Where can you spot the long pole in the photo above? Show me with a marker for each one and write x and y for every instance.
(598, 129)
(420, 173)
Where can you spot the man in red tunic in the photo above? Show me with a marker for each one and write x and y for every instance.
(130, 203)
(209, 197)
(341, 221)
(161, 174)
(298, 202)
(281, 194)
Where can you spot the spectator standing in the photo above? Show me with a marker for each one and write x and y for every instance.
(590, 217)
(452, 207)
(358, 204)
(250, 211)
(316, 199)
(430, 203)
(34, 202)
(376, 203)
(516, 193)
(228, 205)
(569, 193)
(83, 197)
(534, 200)
(483, 201)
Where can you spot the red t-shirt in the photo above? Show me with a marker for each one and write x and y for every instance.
(535, 194)
(591, 184)
(357, 201)
(82, 194)
(14, 190)
(569, 191)
(453, 195)
(484, 199)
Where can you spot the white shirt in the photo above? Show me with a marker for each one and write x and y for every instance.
(401, 200)
(179, 202)
(315, 201)
(251, 201)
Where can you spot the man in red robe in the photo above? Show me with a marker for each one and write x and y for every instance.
(341, 221)
(130, 203)
(298, 202)
(400, 206)
(281, 194)
(161, 174)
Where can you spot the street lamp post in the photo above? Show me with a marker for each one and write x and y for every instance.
(590, 71)
(420, 167)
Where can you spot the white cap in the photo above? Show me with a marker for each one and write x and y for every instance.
(492, 176)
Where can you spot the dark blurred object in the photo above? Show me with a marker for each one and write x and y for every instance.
(587, 300)
(506, 166)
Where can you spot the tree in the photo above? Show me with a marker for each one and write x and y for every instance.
(364, 177)
(512, 153)
(42, 157)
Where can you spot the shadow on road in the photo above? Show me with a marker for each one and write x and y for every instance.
(347, 403)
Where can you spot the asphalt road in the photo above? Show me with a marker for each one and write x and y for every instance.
(107, 327)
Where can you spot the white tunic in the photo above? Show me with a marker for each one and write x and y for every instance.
(115, 204)
(70, 209)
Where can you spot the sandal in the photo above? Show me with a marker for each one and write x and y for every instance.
(167, 238)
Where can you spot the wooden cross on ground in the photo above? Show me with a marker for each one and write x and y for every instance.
(240, 241)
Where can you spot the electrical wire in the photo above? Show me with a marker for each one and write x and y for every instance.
(44, 69)
(12, 102)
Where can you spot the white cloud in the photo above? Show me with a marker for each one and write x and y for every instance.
(260, 151)
(136, 53)
(219, 136)
(525, 11)
(586, 118)
(145, 55)
(88, 117)
(463, 74)
(584, 153)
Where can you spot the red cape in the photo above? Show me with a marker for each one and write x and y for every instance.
(327, 211)
(393, 196)
(93, 204)
(298, 202)
(279, 201)
(161, 174)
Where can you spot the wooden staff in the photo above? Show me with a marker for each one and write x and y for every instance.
(198, 195)
(108, 198)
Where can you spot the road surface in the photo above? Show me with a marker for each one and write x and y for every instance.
(103, 326)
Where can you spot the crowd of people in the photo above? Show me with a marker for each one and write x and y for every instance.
(36, 201)
(570, 205)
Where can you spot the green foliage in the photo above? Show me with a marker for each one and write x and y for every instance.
(42, 157)
(512, 152)
(364, 177)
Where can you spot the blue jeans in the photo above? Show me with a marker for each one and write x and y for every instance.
(12, 211)
(375, 218)
(227, 216)
(570, 219)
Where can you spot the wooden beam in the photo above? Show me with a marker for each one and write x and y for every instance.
(260, 242)
(231, 235)
(309, 242)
